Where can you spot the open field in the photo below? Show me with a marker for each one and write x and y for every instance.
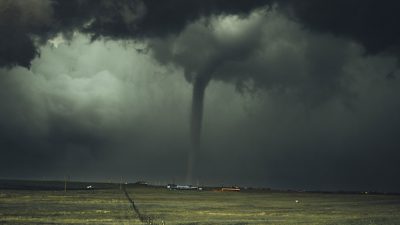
(110, 206)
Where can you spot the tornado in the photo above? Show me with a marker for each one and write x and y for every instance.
(199, 86)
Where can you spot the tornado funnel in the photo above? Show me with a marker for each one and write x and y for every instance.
(199, 86)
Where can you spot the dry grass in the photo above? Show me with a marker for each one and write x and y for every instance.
(191, 207)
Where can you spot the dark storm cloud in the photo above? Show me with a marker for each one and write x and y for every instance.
(101, 109)
(266, 50)
(374, 24)
(135, 19)
(20, 22)
(26, 24)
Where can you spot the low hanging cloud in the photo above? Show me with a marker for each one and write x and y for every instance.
(264, 50)
(72, 110)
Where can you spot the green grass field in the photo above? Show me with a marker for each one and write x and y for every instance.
(110, 206)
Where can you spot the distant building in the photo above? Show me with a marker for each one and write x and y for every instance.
(234, 189)
(141, 183)
(182, 187)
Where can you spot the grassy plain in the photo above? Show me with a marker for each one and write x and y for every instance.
(110, 206)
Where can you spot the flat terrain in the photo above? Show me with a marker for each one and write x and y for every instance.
(110, 206)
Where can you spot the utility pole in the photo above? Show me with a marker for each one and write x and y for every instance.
(120, 184)
(65, 183)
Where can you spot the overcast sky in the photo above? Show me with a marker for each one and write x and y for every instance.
(298, 94)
